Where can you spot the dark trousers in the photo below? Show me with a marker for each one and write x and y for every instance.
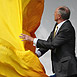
(67, 76)
(72, 76)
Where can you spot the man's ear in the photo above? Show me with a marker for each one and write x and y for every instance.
(59, 16)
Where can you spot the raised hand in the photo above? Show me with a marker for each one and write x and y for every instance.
(26, 37)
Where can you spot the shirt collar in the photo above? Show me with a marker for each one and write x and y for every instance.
(60, 24)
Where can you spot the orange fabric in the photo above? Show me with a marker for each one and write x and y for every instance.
(31, 19)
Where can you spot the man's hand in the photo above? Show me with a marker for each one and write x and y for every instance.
(26, 37)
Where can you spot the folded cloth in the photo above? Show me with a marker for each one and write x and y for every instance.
(15, 61)
(18, 63)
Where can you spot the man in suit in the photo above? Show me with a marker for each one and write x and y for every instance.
(62, 44)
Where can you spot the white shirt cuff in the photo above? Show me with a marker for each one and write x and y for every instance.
(38, 53)
(35, 41)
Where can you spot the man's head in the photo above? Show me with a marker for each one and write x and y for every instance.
(62, 13)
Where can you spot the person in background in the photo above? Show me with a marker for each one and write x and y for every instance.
(61, 42)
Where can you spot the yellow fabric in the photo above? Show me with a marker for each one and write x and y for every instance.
(10, 22)
(14, 60)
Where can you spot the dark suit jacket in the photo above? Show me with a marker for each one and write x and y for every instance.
(62, 50)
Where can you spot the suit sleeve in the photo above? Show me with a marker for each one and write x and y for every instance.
(44, 50)
(62, 37)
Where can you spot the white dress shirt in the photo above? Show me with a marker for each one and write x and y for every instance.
(35, 39)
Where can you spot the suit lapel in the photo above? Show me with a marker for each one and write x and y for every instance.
(59, 29)
(62, 26)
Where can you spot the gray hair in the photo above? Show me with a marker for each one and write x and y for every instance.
(64, 12)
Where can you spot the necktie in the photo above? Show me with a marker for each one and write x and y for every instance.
(55, 30)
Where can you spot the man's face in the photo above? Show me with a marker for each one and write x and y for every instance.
(56, 15)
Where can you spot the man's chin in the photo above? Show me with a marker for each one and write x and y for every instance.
(56, 20)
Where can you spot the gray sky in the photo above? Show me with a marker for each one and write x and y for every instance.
(47, 24)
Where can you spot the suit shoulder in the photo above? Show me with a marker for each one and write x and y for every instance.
(68, 25)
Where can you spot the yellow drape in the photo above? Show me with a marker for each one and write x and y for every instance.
(10, 22)
(14, 60)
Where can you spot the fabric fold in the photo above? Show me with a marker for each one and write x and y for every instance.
(17, 59)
